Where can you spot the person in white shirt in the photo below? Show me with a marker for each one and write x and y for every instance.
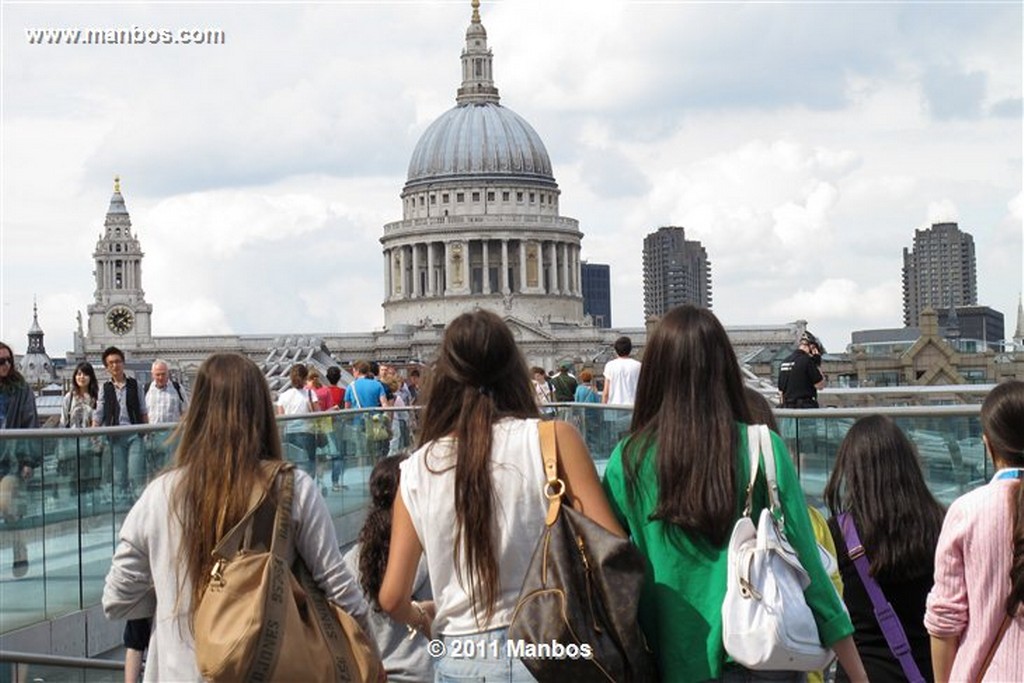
(165, 399)
(298, 400)
(471, 499)
(621, 375)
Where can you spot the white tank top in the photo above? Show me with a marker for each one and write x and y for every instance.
(428, 490)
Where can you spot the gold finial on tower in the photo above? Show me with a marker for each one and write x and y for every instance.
(117, 184)
(476, 11)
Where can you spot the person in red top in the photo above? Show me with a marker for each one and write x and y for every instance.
(339, 448)
(323, 394)
(336, 392)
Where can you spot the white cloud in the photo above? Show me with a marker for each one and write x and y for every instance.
(798, 226)
(193, 316)
(943, 211)
(219, 223)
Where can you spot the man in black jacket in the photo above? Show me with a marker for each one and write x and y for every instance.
(121, 402)
(800, 376)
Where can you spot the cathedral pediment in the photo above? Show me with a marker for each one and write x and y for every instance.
(525, 333)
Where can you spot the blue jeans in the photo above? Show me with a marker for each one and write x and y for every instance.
(307, 442)
(480, 658)
(127, 462)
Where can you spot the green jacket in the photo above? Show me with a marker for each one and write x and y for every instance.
(681, 604)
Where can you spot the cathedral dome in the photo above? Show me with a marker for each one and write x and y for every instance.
(482, 138)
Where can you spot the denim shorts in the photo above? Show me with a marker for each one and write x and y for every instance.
(480, 658)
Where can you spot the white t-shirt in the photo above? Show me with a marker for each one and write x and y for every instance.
(296, 402)
(518, 484)
(621, 375)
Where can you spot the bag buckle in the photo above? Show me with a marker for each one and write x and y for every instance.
(857, 552)
(747, 590)
(554, 489)
(217, 573)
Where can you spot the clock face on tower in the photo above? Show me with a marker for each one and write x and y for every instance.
(120, 320)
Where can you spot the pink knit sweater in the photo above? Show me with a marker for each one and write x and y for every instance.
(972, 564)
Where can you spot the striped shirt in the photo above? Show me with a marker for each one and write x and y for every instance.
(972, 580)
(165, 405)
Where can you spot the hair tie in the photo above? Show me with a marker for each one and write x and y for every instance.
(485, 391)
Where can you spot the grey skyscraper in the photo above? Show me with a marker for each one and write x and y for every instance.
(676, 271)
(939, 272)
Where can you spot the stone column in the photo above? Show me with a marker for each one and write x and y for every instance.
(388, 284)
(415, 290)
(574, 269)
(404, 289)
(485, 256)
(505, 289)
(431, 276)
(566, 289)
(522, 265)
(553, 268)
(447, 268)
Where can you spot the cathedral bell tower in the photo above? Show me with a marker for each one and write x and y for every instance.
(119, 316)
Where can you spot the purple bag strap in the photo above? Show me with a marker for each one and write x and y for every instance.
(890, 624)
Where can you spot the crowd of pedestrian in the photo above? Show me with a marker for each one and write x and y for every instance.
(454, 517)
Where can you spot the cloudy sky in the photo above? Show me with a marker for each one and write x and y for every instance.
(802, 143)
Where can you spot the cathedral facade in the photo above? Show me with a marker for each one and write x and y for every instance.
(481, 226)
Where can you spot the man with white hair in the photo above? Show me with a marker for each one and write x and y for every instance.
(165, 400)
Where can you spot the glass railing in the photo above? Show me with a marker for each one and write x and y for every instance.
(948, 439)
(16, 667)
(65, 493)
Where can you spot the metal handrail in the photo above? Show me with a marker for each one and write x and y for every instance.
(9, 657)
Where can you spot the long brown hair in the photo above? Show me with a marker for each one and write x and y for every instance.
(1002, 423)
(375, 534)
(14, 377)
(688, 400)
(228, 429)
(479, 377)
(877, 478)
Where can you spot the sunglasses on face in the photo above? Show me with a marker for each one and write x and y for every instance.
(6, 361)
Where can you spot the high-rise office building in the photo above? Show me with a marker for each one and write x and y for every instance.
(939, 272)
(676, 271)
(597, 292)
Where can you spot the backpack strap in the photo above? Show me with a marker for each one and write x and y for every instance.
(886, 616)
(240, 536)
(754, 457)
(268, 646)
